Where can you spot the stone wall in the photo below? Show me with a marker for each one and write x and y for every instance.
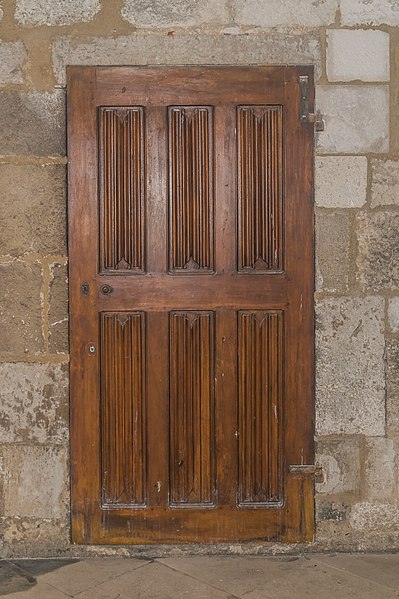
(354, 46)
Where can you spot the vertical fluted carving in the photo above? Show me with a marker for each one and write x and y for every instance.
(123, 409)
(191, 408)
(190, 189)
(121, 189)
(260, 389)
(260, 167)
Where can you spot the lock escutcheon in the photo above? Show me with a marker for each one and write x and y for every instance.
(106, 289)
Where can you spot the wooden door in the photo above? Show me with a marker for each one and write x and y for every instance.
(191, 299)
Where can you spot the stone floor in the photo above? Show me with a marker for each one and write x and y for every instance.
(311, 577)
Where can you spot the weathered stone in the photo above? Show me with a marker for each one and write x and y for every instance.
(274, 13)
(34, 481)
(55, 12)
(13, 56)
(393, 314)
(384, 182)
(356, 118)
(340, 181)
(273, 47)
(380, 468)
(350, 385)
(33, 215)
(34, 403)
(33, 537)
(334, 511)
(340, 460)
(360, 54)
(392, 391)
(378, 257)
(20, 308)
(32, 123)
(178, 13)
(58, 315)
(375, 516)
(369, 12)
(333, 250)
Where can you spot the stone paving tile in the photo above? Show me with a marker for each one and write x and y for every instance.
(39, 591)
(380, 569)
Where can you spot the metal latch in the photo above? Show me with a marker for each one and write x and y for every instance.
(306, 116)
(307, 470)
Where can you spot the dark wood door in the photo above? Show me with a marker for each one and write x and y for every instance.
(191, 298)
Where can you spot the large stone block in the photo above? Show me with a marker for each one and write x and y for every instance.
(340, 181)
(274, 13)
(384, 182)
(378, 516)
(32, 123)
(20, 308)
(392, 382)
(356, 118)
(33, 537)
(13, 56)
(176, 13)
(393, 314)
(55, 12)
(333, 250)
(378, 257)
(353, 55)
(58, 314)
(33, 215)
(340, 460)
(369, 12)
(380, 469)
(350, 383)
(34, 403)
(273, 47)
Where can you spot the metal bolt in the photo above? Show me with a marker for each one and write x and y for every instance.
(92, 349)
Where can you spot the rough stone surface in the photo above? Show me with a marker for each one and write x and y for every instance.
(333, 250)
(384, 182)
(350, 386)
(273, 13)
(33, 536)
(375, 516)
(275, 47)
(20, 308)
(34, 403)
(369, 12)
(392, 391)
(33, 215)
(378, 257)
(393, 314)
(12, 61)
(380, 469)
(32, 123)
(55, 12)
(340, 460)
(58, 315)
(179, 13)
(340, 181)
(353, 55)
(356, 118)
(333, 511)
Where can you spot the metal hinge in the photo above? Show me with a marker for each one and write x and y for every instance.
(308, 470)
(306, 116)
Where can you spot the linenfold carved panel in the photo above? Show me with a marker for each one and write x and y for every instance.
(190, 189)
(260, 168)
(121, 156)
(260, 390)
(192, 468)
(123, 409)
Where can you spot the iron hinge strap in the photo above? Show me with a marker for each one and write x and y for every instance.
(307, 470)
(306, 116)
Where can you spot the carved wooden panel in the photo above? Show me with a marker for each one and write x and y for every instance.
(191, 189)
(121, 155)
(260, 389)
(260, 167)
(123, 409)
(191, 408)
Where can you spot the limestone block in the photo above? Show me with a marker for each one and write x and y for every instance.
(32, 123)
(369, 12)
(332, 250)
(353, 55)
(177, 13)
(34, 403)
(392, 377)
(380, 468)
(356, 118)
(58, 315)
(378, 516)
(13, 56)
(273, 47)
(393, 314)
(35, 537)
(55, 12)
(350, 384)
(340, 460)
(33, 215)
(274, 13)
(378, 257)
(340, 181)
(384, 182)
(34, 481)
(20, 308)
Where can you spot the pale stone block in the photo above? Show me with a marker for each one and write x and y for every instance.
(392, 388)
(55, 12)
(350, 381)
(393, 314)
(35, 537)
(13, 56)
(353, 55)
(340, 181)
(369, 516)
(333, 231)
(369, 12)
(274, 13)
(176, 13)
(340, 460)
(380, 468)
(384, 182)
(356, 118)
(58, 313)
